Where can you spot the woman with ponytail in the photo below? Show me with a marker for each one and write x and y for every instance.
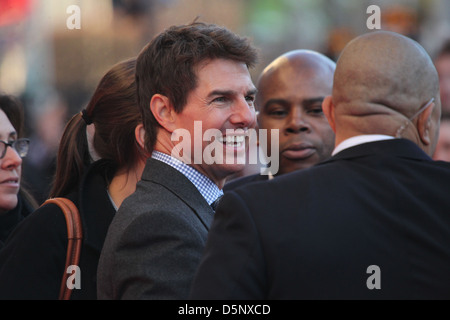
(100, 159)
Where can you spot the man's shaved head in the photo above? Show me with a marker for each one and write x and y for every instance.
(311, 64)
(382, 79)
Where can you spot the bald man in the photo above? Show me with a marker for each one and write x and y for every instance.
(291, 90)
(372, 222)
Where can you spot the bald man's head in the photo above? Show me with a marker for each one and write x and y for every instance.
(382, 79)
(305, 64)
(289, 99)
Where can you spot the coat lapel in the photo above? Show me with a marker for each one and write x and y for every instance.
(164, 175)
(94, 204)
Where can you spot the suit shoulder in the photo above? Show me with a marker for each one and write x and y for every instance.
(236, 183)
(150, 203)
(442, 164)
(47, 216)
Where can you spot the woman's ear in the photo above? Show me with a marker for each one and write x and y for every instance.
(328, 110)
(163, 112)
(139, 134)
(424, 125)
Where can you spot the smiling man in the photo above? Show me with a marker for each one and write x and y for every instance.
(217, 115)
(291, 90)
(195, 93)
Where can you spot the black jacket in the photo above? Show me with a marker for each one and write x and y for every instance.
(9, 220)
(239, 182)
(32, 261)
(372, 222)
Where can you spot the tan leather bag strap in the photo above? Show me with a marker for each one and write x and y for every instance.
(75, 237)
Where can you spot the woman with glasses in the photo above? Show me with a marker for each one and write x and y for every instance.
(15, 202)
(100, 159)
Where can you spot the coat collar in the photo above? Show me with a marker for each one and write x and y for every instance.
(395, 147)
(163, 174)
(94, 205)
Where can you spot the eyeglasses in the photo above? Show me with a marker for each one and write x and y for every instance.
(21, 146)
(403, 127)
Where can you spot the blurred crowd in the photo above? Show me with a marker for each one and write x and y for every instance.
(87, 136)
(70, 61)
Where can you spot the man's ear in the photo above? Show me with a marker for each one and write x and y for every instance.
(424, 125)
(163, 112)
(328, 110)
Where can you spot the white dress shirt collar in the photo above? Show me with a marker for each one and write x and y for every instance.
(357, 140)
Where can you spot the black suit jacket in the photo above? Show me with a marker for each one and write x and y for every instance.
(319, 233)
(239, 182)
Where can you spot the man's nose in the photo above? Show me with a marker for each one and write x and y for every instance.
(297, 122)
(243, 114)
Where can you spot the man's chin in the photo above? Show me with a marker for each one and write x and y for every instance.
(227, 170)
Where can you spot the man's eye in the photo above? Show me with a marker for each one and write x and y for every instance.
(277, 113)
(316, 110)
(250, 98)
(220, 99)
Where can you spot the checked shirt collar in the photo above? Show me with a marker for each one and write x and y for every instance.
(208, 189)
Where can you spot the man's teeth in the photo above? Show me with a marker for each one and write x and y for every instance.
(10, 181)
(232, 140)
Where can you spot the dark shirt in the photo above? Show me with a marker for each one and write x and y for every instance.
(9, 220)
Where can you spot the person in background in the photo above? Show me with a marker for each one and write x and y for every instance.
(372, 222)
(442, 63)
(16, 202)
(46, 132)
(100, 159)
(291, 90)
(442, 152)
(191, 80)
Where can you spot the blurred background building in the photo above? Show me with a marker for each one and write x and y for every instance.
(54, 69)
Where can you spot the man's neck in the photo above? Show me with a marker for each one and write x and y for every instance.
(219, 181)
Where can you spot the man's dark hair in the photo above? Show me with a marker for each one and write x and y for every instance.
(167, 65)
